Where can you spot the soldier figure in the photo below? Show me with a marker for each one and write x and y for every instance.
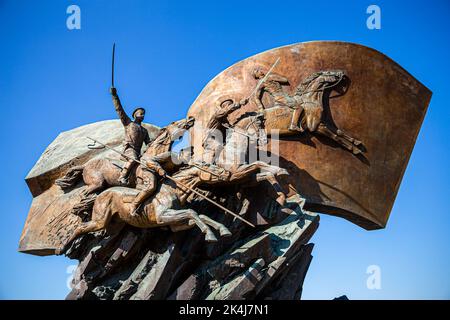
(273, 86)
(135, 135)
(216, 128)
(148, 175)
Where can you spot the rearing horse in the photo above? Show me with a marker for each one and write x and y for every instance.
(239, 154)
(98, 174)
(165, 208)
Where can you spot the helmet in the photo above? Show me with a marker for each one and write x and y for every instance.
(137, 109)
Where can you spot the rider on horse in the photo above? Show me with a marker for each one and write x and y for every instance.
(216, 129)
(147, 180)
(156, 160)
(273, 86)
(135, 135)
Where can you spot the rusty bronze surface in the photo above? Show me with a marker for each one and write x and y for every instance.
(344, 118)
(380, 104)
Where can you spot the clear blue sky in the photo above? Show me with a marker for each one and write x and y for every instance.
(53, 79)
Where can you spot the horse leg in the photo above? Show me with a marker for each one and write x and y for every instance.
(245, 170)
(87, 196)
(209, 235)
(267, 173)
(269, 177)
(275, 170)
(327, 132)
(148, 188)
(294, 126)
(92, 188)
(101, 215)
(187, 217)
(341, 133)
(223, 231)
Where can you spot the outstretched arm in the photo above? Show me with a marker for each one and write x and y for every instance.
(278, 78)
(119, 109)
(234, 106)
(152, 164)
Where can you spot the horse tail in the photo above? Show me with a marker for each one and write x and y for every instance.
(71, 178)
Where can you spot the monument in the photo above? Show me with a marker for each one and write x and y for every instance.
(318, 127)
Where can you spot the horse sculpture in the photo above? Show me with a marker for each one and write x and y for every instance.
(100, 173)
(243, 141)
(309, 114)
(166, 207)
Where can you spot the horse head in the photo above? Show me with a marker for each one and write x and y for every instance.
(177, 128)
(168, 135)
(321, 81)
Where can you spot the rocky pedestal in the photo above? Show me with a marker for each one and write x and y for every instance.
(267, 263)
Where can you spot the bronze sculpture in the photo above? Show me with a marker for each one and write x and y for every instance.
(313, 110)
(166, 207)
(307, 103)
(98, 173)
(213, 140)
(135, 134)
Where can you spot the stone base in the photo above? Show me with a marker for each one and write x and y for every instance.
(269, 262)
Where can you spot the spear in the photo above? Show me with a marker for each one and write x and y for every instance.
(180, 184)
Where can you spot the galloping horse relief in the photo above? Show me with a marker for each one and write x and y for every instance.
(164, 205)
(306, 104)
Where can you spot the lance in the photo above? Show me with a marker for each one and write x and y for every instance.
(264, 78)
(112, 66)
(251, 94)
(180, 184)
(205, 170)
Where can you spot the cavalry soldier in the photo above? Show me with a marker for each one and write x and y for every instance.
(155, 162)
(147, 179)
(273, 86)
(211, 172)
(135, 135)
(216, 129)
